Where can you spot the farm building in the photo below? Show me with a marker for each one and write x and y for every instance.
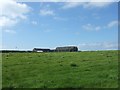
(58, 49)
(41, 50)
(67, 49)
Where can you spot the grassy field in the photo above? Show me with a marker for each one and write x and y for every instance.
(98, 69)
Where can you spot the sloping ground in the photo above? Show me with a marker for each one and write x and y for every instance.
(98, 69)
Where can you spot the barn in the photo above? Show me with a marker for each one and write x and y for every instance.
(67, 49)
(41, 50)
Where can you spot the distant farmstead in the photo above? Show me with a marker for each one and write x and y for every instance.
(58, 49)
(67, 49)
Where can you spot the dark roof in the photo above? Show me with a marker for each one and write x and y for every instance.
(40, 49)
(67, 47)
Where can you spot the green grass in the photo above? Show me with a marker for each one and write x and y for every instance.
(98, 69)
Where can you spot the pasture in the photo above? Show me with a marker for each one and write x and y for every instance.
(87, 69)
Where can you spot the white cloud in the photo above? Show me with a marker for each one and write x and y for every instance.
(90, 27)
(45, 12)
(34, 22)
(94, 4)
(68, 0)
(5, 21)
(112, 24)
(90, 4)
(68, 5)
(60, 18)
(99, 46)
(12, 13)
(10, 31)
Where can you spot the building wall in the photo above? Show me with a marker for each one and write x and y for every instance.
(66, 49)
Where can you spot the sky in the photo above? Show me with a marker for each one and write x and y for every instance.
(87, 25)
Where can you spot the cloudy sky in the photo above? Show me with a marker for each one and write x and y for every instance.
(88, 25)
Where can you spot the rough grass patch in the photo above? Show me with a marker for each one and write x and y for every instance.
(73, 65)
(94, 72)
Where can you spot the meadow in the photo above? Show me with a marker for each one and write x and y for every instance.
(87, 69)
